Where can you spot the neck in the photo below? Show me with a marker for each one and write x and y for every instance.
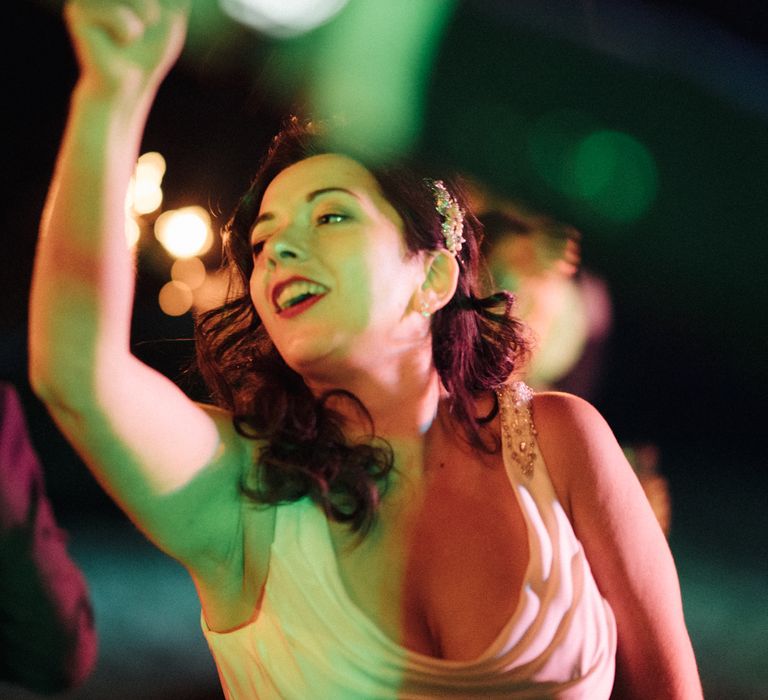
(402, 398)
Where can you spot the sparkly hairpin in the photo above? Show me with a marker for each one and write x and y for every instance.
(452, 215)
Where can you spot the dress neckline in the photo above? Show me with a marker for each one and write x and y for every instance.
(363, 619)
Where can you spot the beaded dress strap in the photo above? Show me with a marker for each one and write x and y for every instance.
(517, 429)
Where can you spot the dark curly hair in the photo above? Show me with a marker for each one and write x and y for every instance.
(476, 341)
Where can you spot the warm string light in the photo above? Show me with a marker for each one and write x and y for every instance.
(185, 233)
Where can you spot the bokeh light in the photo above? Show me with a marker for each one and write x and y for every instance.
(286, 18)
(132, 231)
(610, 172)
(215, 290)
(190, 271)
(175, 298)
(616, 174)
(551, 142)
(145, 193)
(185, 232)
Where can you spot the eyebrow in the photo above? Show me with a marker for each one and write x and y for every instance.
(316, 193)
(268, 216)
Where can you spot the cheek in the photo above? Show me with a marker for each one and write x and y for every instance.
(256, 288)
(392, 284)
(366, 286)
(357, 291)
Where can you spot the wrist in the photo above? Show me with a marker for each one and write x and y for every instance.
(124, 92)
(124, 109)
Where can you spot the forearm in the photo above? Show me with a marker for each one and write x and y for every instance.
(82, 288)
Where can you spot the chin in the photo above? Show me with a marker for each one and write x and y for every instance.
(308, 358)
(331, 368)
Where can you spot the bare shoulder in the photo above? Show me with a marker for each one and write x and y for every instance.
(240, 446)
(579, 448)
(624, 545)
(589, 469)
(576, 418)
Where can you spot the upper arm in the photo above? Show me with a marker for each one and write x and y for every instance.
(172, 465)
(624, 544)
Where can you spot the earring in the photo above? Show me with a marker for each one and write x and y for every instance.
(424, 309)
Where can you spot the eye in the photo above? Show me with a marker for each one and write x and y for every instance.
(330, 218)
(257, 247)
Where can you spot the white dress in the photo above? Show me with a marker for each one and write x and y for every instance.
(310, 641)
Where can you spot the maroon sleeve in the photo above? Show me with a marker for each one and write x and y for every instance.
(47, 637)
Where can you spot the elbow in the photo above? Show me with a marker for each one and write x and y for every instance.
(63, 389)
(70, 377)
(52, 397)
(42, 379)
(39, 382)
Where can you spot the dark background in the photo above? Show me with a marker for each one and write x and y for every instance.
(686, 368)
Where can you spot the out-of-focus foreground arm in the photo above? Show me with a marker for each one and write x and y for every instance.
(47, 637)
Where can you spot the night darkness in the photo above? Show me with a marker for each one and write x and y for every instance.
(687, 367)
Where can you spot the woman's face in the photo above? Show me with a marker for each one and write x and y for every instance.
(333, 281)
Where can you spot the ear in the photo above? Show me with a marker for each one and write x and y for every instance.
(441, 275)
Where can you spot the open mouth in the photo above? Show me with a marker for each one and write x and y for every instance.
(297, 294)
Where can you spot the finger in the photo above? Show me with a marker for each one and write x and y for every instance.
(148, 10)
(126, 26)
(122, 23)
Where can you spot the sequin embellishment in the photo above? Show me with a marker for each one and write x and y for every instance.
(517, 428)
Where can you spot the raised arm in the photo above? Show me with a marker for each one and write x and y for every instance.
(173, 466)
(625, 547)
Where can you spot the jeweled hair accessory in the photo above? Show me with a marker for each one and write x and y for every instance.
(452, 215)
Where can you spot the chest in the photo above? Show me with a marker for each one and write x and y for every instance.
(442, 570)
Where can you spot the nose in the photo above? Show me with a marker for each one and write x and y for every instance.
(284, 247)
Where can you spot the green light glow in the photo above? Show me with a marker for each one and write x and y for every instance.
(371, 67)
(609, 171)
(615, 173)
(551, 141)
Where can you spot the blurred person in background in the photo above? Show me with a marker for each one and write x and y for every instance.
(567, 309)
(569, 315)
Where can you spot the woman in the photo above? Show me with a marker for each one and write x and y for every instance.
(352, 525)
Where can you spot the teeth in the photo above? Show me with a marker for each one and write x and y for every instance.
(294, 292)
